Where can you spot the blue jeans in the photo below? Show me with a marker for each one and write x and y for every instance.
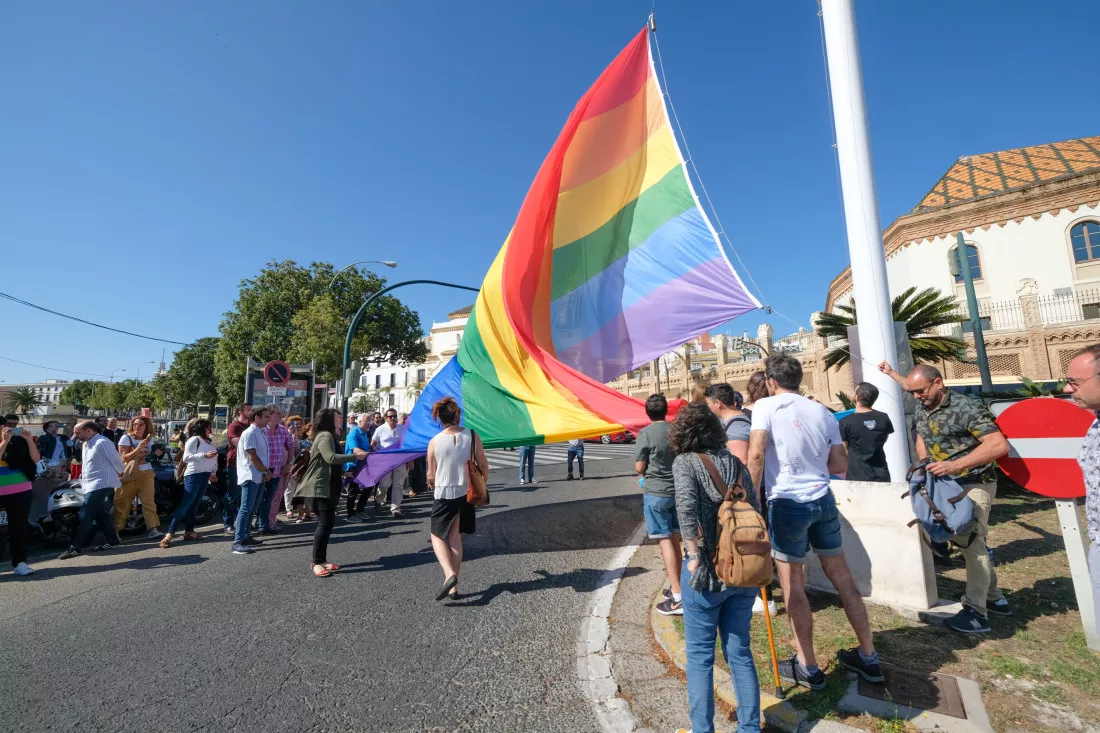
(194, 488)
(250, 497)
(527, 460)
(98, 510)
(577, 453)
(268, 495)
(232, 495)
(727, 614)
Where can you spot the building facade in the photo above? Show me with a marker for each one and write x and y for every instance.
(388, 384)
(48, 391)
(1030, 219)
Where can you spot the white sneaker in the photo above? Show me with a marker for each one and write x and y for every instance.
(23, 569)
(154, 534)
(522, 482)
(758, 606)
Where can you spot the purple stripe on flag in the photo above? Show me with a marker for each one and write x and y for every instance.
(701, 299)
(383, 462)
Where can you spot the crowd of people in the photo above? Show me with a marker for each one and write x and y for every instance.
(784, 449)
(781, 447)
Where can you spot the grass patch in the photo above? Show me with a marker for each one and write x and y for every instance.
(1048, 693)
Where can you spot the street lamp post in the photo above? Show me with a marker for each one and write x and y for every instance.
(359, 316)
(387, 263)
(113, 374)
(138, 377)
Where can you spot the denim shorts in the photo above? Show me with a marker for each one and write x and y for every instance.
(793, 526)
(660, 516)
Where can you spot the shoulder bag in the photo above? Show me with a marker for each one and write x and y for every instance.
(477, 492)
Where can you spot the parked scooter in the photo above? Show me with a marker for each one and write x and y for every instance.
(63, 508)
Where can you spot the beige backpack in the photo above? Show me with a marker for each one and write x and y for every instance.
(744, 554)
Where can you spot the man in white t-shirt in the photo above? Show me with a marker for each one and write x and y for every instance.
(794, 446)
(253, 470)
(391, 486)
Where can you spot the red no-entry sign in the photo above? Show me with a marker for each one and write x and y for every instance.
(277, 373)
(1044, 438)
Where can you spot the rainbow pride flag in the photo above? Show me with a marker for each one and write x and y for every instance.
(611, 263)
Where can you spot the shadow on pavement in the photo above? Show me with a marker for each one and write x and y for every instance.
(583, 580)
(145, 563)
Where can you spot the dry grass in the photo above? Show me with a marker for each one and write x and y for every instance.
(1034, 669)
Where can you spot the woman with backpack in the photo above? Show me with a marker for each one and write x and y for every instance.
(709, 605)
(201, 459)
(321, 484)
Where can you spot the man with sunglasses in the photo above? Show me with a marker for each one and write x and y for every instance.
(1083, 384)
(391, 485)
(963, 441)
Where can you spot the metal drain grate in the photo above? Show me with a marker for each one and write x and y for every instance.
(936, 693)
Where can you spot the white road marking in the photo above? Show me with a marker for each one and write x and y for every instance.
(593, 664)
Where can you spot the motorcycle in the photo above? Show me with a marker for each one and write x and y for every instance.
(63, 508)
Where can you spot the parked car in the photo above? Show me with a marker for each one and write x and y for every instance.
(619, 438)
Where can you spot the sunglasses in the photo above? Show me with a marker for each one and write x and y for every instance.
(922, 391)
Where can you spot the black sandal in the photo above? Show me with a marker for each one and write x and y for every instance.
(448, 584)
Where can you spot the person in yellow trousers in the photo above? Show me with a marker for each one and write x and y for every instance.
(134, 446)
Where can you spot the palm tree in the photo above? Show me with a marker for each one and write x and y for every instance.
(415, 391)
(23, 399)
(921, 313)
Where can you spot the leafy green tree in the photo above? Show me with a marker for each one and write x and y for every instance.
(289, 312)
(78, 394)
(848, 402)
(191, 379)
(360, 404)
(23, 400)
(921, 312)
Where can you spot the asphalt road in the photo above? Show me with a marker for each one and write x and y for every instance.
(195, 638)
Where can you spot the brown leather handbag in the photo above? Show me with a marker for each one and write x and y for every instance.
(477, 492)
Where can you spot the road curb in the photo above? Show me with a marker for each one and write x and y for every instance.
(777, 713)
(593, 664)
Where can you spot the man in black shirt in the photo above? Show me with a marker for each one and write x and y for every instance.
(864, 433)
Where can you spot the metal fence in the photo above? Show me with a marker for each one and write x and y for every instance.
(1071, 307)
(1005, 315)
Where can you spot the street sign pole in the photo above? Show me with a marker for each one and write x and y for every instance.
(975, 317)
(359, 317)
(1079, 569)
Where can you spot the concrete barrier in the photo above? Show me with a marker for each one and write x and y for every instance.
(890, 563)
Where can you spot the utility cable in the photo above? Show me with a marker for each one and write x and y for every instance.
(20, 301)
(52, 369)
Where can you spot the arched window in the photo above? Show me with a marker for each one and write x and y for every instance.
(1085, 238)
(975, 263)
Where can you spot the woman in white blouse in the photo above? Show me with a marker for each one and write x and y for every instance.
(201, 458)
(452, 516)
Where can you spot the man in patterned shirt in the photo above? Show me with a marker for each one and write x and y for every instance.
(1083, 383)
(283, 450)
(963, 441)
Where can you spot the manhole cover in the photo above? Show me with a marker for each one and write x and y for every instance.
(936, 693)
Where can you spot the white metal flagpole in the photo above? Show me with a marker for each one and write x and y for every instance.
(870, 288)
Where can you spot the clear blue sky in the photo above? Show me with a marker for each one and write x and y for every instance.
(154, 154)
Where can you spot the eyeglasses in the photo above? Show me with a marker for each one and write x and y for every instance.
(391, 416)
(923, 390)
(1076, 383)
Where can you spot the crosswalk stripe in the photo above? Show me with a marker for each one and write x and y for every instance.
(557, 454)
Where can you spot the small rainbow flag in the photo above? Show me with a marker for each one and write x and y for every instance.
(611, 263)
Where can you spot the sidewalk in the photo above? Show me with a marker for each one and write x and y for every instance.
(648, 674)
